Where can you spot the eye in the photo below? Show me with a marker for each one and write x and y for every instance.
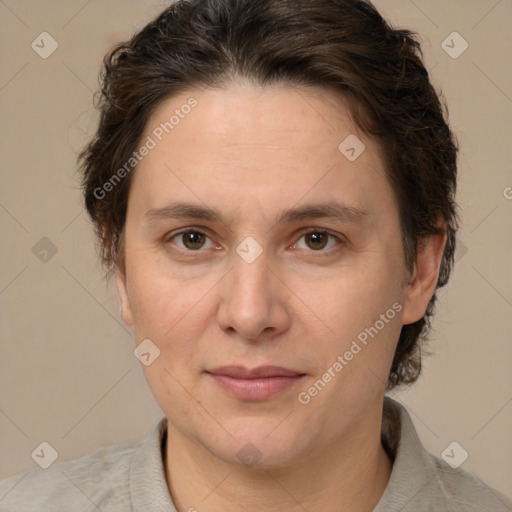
(317, 240)
(191, 240)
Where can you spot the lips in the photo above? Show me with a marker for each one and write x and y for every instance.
(258, 383)
(239, 372)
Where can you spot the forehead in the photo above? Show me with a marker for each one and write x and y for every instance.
(266, 145)
(258, 115)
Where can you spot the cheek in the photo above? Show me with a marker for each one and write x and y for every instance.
(361, 308)
(160, 302)
(174, 313)
(352, 365)
(353, 300)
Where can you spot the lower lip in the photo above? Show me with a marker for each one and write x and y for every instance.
(255, 389)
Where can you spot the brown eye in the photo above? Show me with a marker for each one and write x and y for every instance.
(192, 240)
(316, 240)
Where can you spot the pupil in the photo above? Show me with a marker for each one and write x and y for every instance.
(193, 240)
(316, 240)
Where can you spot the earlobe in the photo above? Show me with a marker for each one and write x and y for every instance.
(424, 278)
(125, 309)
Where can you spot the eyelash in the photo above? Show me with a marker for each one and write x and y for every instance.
(340, 241)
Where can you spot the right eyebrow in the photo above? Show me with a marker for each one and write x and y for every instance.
(181, 210)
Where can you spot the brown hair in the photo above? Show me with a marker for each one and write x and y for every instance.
(341, 45)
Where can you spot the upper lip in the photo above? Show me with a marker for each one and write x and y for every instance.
(240, 372)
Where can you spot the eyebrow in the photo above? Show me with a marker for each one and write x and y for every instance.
(331, 210)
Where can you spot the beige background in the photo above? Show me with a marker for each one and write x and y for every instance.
(68, 375)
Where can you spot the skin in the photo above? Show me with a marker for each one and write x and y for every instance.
(249, 154)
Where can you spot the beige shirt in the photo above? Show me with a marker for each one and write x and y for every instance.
(131, 477)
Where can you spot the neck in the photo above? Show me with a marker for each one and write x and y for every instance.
(350, 475)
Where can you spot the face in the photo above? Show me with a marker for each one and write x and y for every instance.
(265, 263)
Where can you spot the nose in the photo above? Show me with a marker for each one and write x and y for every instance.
(253, 303)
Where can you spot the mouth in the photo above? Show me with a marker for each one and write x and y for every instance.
(255, 384)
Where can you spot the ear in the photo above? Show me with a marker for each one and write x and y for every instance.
(126, 312)
(425, 275)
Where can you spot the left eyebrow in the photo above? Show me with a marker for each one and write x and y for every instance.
(331, 210)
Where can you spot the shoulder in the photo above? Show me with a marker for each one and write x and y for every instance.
(463, 491)
(76, 484)
(422, 482)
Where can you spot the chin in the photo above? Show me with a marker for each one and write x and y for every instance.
(259, 443)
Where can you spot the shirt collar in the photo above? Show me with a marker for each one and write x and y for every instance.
(148, 484)
(413, 470)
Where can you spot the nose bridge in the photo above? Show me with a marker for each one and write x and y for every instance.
(250, 285)
(250, 266)
(251, 302)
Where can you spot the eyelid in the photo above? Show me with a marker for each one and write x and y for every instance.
(306, 231)
(200, 229)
